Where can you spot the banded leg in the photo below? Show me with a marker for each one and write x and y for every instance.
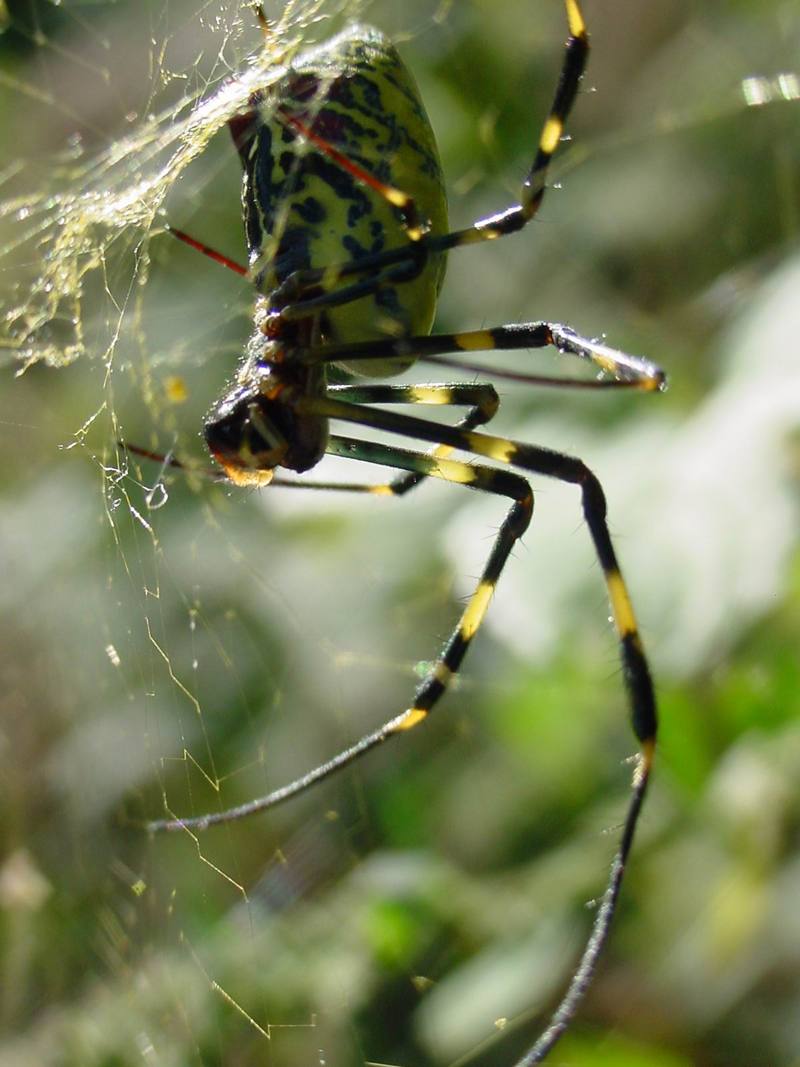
(635, 669)
(433, 686)
(563, 468)
(636, 673)
(481, 395)
(628, 371)
(511, 220)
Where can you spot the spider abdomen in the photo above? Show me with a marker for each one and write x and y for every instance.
(303, 210)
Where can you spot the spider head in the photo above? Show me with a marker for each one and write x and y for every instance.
(254, 427)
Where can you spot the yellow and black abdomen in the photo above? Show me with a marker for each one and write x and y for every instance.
(303, 209)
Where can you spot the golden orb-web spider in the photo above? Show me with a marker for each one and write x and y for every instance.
(346, 223)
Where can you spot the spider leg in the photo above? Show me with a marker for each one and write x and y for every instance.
(636, 672)
(515, 218)
(551, 464)
(481, 395)
(475, 476)
(576, 53)
(638, 683)
(628, 371)
(288, 300)
(207, 250)
(601, 927)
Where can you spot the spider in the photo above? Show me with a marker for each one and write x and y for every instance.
(346, 224)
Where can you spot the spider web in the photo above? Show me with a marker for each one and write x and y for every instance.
(173, 646)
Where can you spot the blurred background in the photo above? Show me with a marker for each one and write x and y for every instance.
(173, 645)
